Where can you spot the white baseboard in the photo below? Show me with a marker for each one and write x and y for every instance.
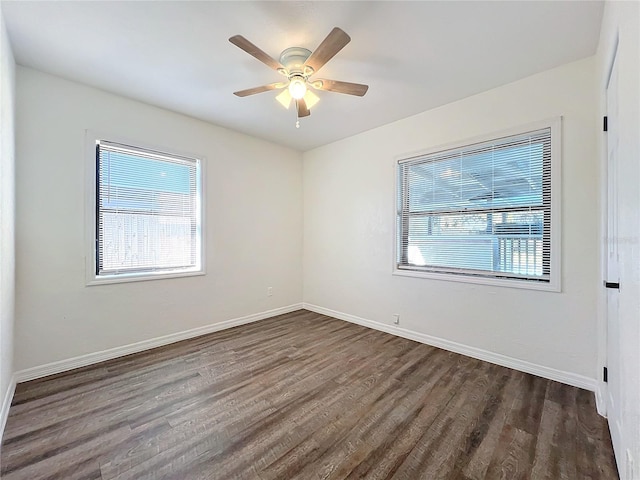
(6, 404)
(601, 403)
(91, 358)
(568, 378)
(40, 371)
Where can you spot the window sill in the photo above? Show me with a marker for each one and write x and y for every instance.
(141, 277)
(552, 286)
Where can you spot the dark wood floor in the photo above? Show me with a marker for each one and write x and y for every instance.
(302, 396)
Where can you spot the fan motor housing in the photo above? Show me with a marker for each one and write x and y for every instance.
(294, 58)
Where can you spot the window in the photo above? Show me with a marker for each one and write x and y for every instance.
(482, 212)
(148, 213)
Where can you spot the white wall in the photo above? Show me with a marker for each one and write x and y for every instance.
(253, 225)
(7, 220)
(349, 230)
(621, 23)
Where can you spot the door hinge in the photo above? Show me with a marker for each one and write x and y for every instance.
(605, 374)
(614, 285)
(605, 124)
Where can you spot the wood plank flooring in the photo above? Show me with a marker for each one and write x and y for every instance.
(302, 396)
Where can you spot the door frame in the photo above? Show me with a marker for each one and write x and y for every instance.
(602, 328)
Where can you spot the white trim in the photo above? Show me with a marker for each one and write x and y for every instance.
(561, 376)
(556, 204)
(611, 58)
(487, 137)
(140, 277)
(601, 297)
(601, 399)
(554, 284)
(90, 139)
(6, 404)
(478, 280)
(91, 358)
(496, 358)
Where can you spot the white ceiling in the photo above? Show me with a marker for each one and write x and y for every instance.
(414, 55)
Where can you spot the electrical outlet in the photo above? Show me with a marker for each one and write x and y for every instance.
(269, 291)
(396, 319)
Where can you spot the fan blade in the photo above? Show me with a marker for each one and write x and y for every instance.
(263, 88)
(335, 41)
(244, 44)
(303, 111)
(341, 87)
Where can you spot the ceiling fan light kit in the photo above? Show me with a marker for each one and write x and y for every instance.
(298, 64)
(297, 87)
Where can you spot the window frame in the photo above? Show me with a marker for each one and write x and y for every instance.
(554, 283)
(91, 213)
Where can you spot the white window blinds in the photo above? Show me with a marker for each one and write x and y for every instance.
(481, 210)
(147, 211)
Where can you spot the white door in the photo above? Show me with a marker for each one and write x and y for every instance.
(613, 327)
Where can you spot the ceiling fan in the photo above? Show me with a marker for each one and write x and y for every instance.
(298, 64)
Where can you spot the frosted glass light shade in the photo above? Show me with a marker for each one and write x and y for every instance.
(297, 87)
